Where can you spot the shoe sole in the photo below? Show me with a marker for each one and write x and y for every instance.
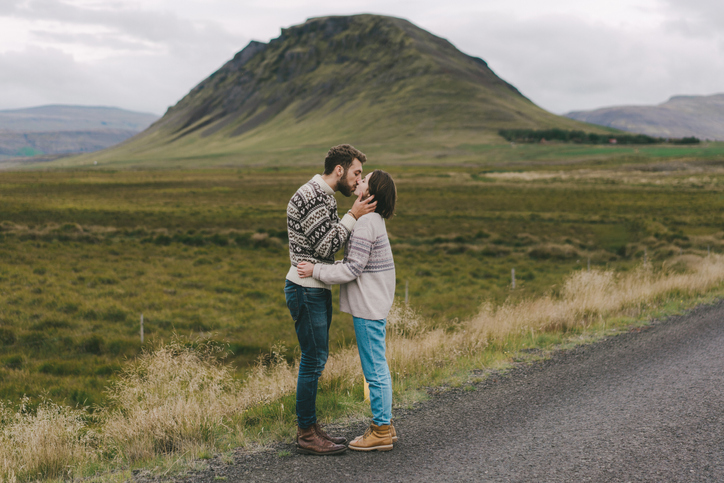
(317, 453)
(385, 447)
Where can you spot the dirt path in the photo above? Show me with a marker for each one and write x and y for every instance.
(646, 405)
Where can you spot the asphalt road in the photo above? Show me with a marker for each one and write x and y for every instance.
(645, 405)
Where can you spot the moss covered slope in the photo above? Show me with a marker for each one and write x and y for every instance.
(364, 79)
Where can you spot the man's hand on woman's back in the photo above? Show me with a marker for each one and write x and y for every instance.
(305, 269)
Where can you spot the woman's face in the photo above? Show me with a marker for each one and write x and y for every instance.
(363, 187)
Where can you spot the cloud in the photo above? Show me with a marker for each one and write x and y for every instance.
(110, 54)
(147, 83)
(563, 62)
(128, 24)
(101, 40)
(695, 18)
(562, 54)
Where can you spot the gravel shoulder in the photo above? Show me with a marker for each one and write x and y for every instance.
(645, 405)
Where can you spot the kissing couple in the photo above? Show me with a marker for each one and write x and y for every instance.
(367, 286)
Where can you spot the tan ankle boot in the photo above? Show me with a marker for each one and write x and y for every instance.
(393, 433)
(309, 441)
(376, 438)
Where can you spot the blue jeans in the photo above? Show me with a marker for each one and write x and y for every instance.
(311, 309)
(371, 346)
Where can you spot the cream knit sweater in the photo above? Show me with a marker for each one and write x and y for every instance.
(367, 273)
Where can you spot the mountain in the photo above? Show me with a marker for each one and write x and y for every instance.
(369, 80)
(680, 116)
(66, 129)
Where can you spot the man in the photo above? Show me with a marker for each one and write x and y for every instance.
(315, 234)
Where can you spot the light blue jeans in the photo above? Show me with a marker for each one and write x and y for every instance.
(371, 346)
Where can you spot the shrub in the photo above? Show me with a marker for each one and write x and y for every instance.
(68, 308)
(51, 324)
(57, 368)
(552, 251)
(198, 326)
(219, 240)
(107, 369)
(122, 346)
(92, 345)
(194, 241)
(7, 336)
(14, 362)
(33, 340)
(162, 240)
(114, 314)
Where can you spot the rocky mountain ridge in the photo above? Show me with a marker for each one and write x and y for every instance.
(680, 116)
(63, 129)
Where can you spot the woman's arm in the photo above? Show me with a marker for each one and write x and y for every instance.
(360, 247)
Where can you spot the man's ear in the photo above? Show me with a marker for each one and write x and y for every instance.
(338, 169)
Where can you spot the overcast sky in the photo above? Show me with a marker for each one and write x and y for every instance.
(564, 55)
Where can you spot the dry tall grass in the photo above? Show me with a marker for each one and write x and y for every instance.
(167, 400)
(46, 443)
(587, 296)
(178, 397)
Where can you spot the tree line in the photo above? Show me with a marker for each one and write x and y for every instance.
(581, 137)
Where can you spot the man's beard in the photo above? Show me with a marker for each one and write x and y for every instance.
(343, 187)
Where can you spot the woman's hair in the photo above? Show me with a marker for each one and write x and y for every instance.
(383, 188)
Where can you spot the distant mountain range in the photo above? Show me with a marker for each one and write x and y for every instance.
(680, 116)
(61, 129)
(368, 80)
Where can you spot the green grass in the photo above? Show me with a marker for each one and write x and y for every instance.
(86, 252)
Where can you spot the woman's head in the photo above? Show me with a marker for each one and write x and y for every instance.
(380, 184)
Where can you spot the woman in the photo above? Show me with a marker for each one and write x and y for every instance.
(367, 287)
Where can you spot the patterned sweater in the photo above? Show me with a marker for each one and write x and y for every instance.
(367, 273)
(315, 231)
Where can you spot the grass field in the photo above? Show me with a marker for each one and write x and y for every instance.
(202, 253)
(86, 252)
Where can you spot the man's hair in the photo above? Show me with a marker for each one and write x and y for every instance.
(342, 155)
(382, 186)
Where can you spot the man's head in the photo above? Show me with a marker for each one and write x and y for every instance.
(345, 163)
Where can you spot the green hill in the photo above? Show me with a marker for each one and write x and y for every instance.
(378, 82)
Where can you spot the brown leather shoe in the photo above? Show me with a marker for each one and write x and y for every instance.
(309, 441)
(323, 433)
(376, 438)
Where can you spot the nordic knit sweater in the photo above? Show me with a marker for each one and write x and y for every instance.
(315, 231)
(367, 273)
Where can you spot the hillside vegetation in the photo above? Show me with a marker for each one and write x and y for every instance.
(202, 254)
(367, 80)
(204, 251)
(73, 291)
